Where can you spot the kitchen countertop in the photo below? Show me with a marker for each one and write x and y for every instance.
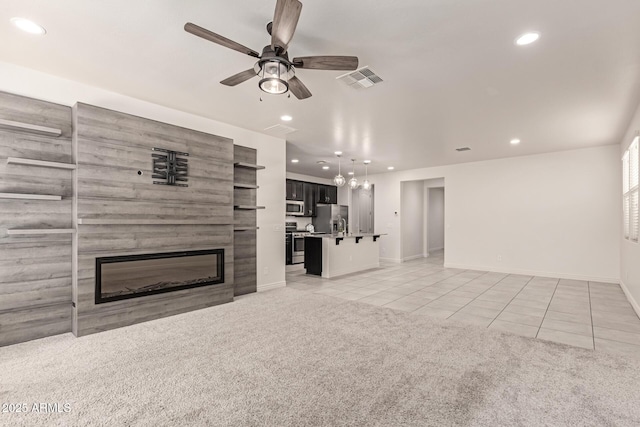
(348, 236)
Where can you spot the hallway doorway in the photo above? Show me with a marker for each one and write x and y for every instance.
(422, 218)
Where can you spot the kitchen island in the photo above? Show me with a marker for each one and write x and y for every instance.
(331, 255)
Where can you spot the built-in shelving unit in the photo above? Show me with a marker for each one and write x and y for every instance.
(36, 231)
(36, 215)
(26, 127)
(247, 207)
(245, 186)
(29, 196)
(97, 221)
(41, 163)
(247, 165)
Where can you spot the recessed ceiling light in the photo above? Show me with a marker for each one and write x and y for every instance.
(286, 118)
(294, 160)
(338, 153)
(325, 167)
(321, 162)
(527, 38)
(391, 168)
(28, 26)
(349, 173)
(366, 162)
(515, 141)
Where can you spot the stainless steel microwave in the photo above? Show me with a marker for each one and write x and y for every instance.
(295, 208)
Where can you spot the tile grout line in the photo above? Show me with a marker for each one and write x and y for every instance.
(404, 296)
(482, 293)
(419, 290)
(593, 333)
(548, 305)
(400, 284)
(510, 301)
(454, 289)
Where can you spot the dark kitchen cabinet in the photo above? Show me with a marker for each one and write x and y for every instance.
(327, 194)
(295, 190)
(310, 197)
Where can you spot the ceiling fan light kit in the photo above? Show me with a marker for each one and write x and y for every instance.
(276, 71)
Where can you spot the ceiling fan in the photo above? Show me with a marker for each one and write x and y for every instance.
(277, 73)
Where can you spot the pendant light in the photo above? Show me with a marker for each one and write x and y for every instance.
(366, 184)
(353, 182)
(339, 180)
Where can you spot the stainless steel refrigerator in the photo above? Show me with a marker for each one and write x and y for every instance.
(328, 217)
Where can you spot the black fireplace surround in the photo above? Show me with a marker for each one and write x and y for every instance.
(133, 276)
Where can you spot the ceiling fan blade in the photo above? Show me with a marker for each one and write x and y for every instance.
(298, 88)
(326, 62)
(285, 20)
(236, 79)
(218, 39)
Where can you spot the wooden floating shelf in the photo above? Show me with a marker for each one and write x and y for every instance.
(247, 186)
(26, 127)
(247, 207)
(95, 221)
(247, 165)
(29, 196)
(246, 228)
(28, 232)
(42, 163)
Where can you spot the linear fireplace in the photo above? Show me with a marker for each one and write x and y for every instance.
(132, 276)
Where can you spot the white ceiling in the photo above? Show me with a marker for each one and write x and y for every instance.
(453, 75)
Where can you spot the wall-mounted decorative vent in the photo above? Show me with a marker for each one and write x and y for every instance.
(170, 168)
(280, 129)
(463, 149)
(361, 78)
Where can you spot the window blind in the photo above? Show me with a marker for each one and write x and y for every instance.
(634, 161)
(630, 181)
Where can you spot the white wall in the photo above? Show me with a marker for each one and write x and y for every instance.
(271, 151)
(555, 214)
(435, 219)
(629, 251)
(411, 219)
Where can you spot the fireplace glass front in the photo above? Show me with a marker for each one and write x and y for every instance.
(132, 276)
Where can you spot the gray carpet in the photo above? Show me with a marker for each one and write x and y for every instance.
(287, 357)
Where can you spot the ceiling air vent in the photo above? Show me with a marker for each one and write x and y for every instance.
(280, 129)
(463, 149)
(360, 78)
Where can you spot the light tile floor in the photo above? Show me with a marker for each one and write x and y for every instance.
(585, 314)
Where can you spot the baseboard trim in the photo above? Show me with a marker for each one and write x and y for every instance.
(535, 273)
(269, 286)
(394, 260)
(412, 257)
(630, 297)
(439, 248)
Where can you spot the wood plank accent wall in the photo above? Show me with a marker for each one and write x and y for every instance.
(245, 241)
(110, 148)
(35, 270)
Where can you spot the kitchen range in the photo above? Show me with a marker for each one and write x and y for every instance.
(294, 243)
